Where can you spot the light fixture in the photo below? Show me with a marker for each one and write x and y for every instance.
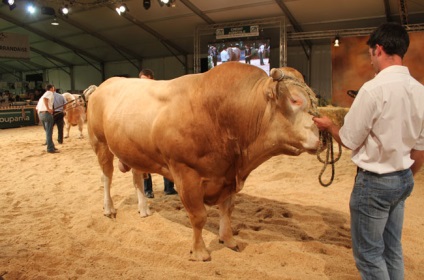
(122, 9)
(169, 3)
(54, 22)
(146, 4)
(31, 8)
(10, 3)
(337, 41)
(64, 10)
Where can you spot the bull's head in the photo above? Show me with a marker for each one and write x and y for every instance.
(297, 103)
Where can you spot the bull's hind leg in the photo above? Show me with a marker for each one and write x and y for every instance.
(67, 128)
(80, 127)
(143, 207)
(105, 158)
(225, 231)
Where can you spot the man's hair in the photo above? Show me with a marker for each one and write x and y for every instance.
(147, 73)
(49, 87)
(392, 37)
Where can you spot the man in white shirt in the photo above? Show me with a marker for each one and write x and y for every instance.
(384, 131)
(45, 113)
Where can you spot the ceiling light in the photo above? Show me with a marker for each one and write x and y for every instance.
(169, 3)
(122, 9)
(31, 9)
(337, 41)
(146, 4)
(10, 3)
(54, 22)
(65, 10)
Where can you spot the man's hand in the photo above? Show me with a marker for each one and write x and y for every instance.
(323, 123)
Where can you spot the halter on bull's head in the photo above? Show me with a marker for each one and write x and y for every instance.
(287, 91)
(290, 82)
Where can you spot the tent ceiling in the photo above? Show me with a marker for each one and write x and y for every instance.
(93, 33)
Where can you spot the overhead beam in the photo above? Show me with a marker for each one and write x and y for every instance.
(119, 48)
(167, 43)
(49, 37)
(50, 56)
(197, 11)
(296, 26)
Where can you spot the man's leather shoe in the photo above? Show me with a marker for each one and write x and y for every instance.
(54, 151)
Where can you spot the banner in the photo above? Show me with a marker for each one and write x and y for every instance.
(14, 45)
(234, 32)
(18, 117)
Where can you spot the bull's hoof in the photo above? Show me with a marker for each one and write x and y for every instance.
(200, 256)
(110, 215)
(234, 248)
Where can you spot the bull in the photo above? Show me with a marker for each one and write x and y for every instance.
(206, 132)
(75, 113)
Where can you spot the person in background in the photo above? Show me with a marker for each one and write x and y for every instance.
(247, 54)
(224, 55)
(384, 130)
(261, 54)
(148, 184)
(59, 106)
(45, 113)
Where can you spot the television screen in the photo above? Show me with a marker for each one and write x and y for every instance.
(251, 51)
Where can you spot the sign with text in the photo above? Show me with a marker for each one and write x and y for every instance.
(14, 45)
(18, 117)
(234, 32)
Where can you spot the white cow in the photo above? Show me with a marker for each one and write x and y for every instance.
(75, 113)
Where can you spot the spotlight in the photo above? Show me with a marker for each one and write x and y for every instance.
(10, 3)
(122, 9)
(64, 10)
(169, 3)
(337, 41)
(31, 9)
(146, 4)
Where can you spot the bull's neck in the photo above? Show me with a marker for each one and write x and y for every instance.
(255, 140)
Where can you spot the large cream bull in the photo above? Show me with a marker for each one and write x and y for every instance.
(206, 132)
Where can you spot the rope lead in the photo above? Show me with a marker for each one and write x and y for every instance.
(325, 137)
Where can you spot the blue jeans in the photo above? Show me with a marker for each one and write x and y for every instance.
(377, 207)
(48, 122)
(148, 186)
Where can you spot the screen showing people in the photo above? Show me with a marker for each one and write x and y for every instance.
(254, 52)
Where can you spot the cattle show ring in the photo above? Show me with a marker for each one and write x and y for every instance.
(261, 192)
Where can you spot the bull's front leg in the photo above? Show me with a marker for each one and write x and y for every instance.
(143, 207)
(225, 230)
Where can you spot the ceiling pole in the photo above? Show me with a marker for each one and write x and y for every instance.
(403, 12)
(198, 12)
(387, 10)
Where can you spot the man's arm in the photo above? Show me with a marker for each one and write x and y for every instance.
(418, 157)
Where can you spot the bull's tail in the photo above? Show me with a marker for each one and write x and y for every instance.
(88, 91)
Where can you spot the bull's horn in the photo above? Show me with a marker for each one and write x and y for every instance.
(276, 74)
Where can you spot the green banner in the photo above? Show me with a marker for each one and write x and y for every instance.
(18, 117)
(234, 32)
